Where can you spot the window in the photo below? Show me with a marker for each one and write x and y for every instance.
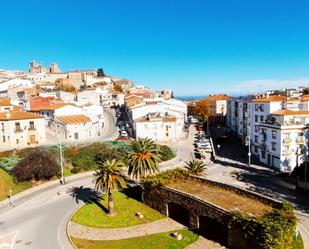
(273, 146)
(166, 128)
(286, 135)
(256, 107)
(255, 149)
(31, 125)
(262, 107)
(262, 118)
(263, 154)
(256, 128)
(3, 138)
(256, 140)
(76, 135)
(274, 134)
(17, 141)
(256, 118)
(17, 126)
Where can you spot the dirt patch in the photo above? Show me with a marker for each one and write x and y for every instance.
(223, 198)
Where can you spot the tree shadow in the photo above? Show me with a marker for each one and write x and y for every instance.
(240, 165)
(86, 195)
(135, 192)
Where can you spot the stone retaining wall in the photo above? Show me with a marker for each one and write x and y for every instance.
(160, 197)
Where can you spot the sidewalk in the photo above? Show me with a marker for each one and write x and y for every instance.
(203, 243)
(93, 233)
(29, 193)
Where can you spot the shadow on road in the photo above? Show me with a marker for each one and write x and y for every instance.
(243, 166)
(86, 195)
(269, 185)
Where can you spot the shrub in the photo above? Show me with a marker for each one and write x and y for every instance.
(164, 178)
(38, 164)
(121, 146)
(85, 158)
(166, 153)
(71, 152)
(8, 163)
(274, 230)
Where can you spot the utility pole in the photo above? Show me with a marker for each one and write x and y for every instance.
(306, 164)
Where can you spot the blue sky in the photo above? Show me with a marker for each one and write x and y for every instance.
(195, 47)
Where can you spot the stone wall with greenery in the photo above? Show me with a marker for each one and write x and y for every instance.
(275, 230)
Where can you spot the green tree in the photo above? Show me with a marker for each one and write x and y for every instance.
(100, 73)
(144, 158)
(195, 167)
(109, 177)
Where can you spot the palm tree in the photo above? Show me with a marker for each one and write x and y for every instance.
(109, 177)
(195, 167)
(144, 158)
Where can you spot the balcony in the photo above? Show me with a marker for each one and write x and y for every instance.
(286, 152)
(300, 140)
(18, 130)
(263, 146)
(287, 140)
(31, 128)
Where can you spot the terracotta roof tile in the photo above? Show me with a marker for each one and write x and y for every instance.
(74, 119)
(275, 98)
(289, 113)
(18, 115)
(5, 102)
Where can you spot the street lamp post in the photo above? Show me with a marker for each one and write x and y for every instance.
(306, 164)
(61, 162)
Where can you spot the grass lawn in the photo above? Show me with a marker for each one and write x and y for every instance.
(93, 216)
(7, 183)
(223, 198)
(299, 244)
(155, 241)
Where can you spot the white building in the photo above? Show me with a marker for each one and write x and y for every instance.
(159, 119)
(13, 83)
(72, 123)
(101, 96)
(282, 139)
(278, 127)
(20, 129)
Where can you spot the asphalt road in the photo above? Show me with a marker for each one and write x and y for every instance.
(40, 222)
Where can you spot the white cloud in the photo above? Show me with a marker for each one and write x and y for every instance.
(255, 86)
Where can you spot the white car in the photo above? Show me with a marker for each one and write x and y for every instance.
(124, 133)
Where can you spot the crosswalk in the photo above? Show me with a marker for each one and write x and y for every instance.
(7, 241)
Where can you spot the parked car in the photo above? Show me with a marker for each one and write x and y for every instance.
(124, 133)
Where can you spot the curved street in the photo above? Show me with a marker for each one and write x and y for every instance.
(38, 220)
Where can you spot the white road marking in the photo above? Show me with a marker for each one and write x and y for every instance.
(10, 237)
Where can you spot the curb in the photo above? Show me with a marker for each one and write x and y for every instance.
(67, 225)
(43, 186)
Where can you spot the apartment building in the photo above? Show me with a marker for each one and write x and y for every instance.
(277, 127)
(239, 117)
(282, 139)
